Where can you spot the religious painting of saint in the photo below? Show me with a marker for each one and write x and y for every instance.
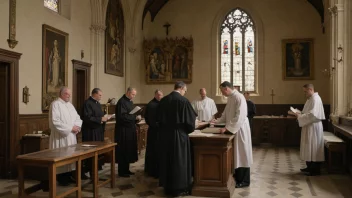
(114, 39)
(169, 60)
(55, 56)
(179, 63)
(298, 60)
(157, 64)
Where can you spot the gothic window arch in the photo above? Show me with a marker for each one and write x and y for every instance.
(238, 50)
(52, 5)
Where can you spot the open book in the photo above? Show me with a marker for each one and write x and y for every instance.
(293, 111)
(136, 110)
(210, 130)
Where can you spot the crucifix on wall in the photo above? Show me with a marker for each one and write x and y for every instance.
(166, 26)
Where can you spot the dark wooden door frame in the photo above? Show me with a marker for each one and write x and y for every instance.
(80, 65)
(12, 58)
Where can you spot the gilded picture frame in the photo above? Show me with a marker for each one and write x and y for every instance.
(298, 59)
(54, 64)
(114, 39)
(168, 60)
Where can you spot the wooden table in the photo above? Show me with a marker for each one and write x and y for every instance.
(213, 165)
(54, 158)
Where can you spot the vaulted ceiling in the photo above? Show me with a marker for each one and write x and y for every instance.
(154, 6)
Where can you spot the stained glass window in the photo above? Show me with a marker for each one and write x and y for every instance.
(52, 5)
(238, 50)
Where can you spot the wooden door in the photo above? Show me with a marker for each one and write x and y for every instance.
(4, 122)
(81, 83)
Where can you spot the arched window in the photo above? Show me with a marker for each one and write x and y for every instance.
(237, 52)
(52, 5)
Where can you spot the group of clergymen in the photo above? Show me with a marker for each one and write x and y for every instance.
(170, 120)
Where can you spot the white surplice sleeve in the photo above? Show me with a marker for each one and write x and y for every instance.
(222, 119)
(78, 122)
(214, 110)
(314, 113)
(239, 116)
(63, 128)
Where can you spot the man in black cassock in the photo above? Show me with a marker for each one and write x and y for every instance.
(176, 118)
(251, 110)
(125, 133)
(93, 124)
(151, 165)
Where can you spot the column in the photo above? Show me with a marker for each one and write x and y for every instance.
(97, 29)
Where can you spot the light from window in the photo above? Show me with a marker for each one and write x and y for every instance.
(238, 50)
(52, 5)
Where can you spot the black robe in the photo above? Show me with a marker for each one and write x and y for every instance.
(125, 132)
(151, 165)
(92, 127)
(251, 112)
(176, 118)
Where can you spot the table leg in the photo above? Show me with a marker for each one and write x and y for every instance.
(113, 176)
(21, 192)
(78, 178)
(52, 180)
(95, 175)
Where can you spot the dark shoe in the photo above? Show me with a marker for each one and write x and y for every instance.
(312, 173)
(305, 170)
(241, 185)
(45, 186)
(130, 173)
(124, 175)
(84, 176)
(63, 182)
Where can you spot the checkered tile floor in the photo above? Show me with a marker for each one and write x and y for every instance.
(275, 173)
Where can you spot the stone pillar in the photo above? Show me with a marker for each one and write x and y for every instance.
(97, 37)
(338, 58)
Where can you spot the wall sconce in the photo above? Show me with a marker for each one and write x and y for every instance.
(132, 50)
(25, 93)
(340, 49)
(82, 54)
(328, 72)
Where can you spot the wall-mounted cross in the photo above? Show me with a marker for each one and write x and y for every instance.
(166, 26)
(272, 96)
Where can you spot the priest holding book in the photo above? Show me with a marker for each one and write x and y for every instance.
(125, 133)
(312, 136)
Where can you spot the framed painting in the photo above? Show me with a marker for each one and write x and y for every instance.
(298, 59)
(114, 39)
(169, 60)
(55, 56)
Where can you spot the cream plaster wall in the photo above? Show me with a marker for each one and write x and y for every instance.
(276, 19)
(31, 15)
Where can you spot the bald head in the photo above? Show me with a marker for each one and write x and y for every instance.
(203, 93)
(65, 94)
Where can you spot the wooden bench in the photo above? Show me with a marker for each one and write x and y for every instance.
(335, 148)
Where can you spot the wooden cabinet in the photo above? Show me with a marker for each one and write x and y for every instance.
(142, 130)
(110, 131)
(279, 131)
(30, 144)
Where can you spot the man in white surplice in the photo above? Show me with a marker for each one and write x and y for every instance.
(205, 107)
(312, 135)
(236, 122)
(64, 123)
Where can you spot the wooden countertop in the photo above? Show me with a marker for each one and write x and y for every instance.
(344, 129)
(54, 155)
